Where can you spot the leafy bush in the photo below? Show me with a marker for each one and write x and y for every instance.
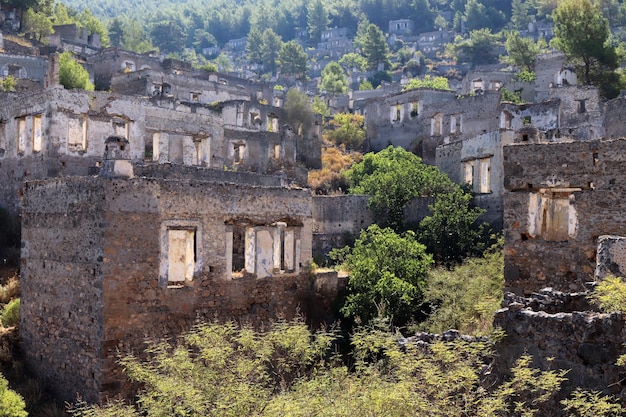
(347, 129)
(11, 313)
(11, 403)
(610, 294)
(223, 370)
(387, 273)
(440, 83)
(330, 179)
(466, 297)
(72, 74)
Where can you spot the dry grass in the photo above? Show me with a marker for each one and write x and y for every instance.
(19, 40)
(10, 290)
(329, 179)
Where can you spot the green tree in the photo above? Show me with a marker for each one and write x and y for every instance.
(87, 20)
(480, 16)
(222, 62)
(116, 32)
(253, 47)
(299, 111)
(479, 49)
(520, 17)
(347, 129)
(393, 177)
(353, 62)
(583, 34)
(440, 83)
(11, 403)
(375, 49)
(168, 37)
(293, 59)
(63, 15)
(72, 74)
(333, 79)
(270, 49)
(134, 38)
(450, 232)
(387, 275)
(37, 24)
(317, 19)
(522, 52)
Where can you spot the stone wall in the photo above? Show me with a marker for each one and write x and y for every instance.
(560, 332)
(559, 198)
(420, 120)
(478, 162)
(104, 286)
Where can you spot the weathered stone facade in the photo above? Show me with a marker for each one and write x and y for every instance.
(104, 267)
(422, 119)
(558, 199)
(562, 332)
(57, 132)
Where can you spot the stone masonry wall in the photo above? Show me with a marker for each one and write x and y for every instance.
(110, 291)
(587, 181)
(554, 325)
(61, 314)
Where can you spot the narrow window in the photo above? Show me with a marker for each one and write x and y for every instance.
(37, 133)
(156, 137)
(3, 143)
(277, 151)
(468, 173)
(485, 175)
(77, 133)
(195, 97)
(120, 128)
(181, 255)
(436, 125)
(21, 134)
(581, 106)
(453, 125)
(239, 152)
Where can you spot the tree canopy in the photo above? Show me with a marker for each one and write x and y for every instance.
(72, 74)
(583, 34)
(333, 79)
(387, 273)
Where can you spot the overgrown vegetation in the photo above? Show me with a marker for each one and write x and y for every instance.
(225, 370)
(10, 315)
(72, 74)
(387, 275)
(330, 178)
(465, 297)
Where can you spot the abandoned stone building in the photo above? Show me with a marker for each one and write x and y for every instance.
(558, 199)
(109, 260)
(56, 132)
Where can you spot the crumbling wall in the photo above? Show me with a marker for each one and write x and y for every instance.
(559, 198)
(561, 332)
(420, 120)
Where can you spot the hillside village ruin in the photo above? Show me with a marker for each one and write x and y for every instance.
(172, 194)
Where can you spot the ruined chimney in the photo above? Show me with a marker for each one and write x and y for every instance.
(116, 162)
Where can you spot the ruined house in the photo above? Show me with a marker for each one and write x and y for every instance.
(420, 120)
(56, 132)
(112, 259)
(558, 199)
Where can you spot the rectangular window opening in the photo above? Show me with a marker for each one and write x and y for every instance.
(37, 145)
(181, 255)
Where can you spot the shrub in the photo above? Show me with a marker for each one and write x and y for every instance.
(10, 290)
(610, 295)
(11, 403)
(11, 314)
